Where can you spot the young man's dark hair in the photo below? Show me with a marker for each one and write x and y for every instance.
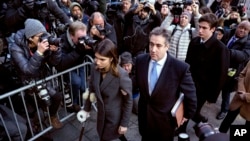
(209, 18)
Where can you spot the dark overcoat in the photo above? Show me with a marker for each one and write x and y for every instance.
(154, 115)
(209, 64)
(113, 107)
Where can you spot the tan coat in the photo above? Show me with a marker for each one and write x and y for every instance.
(243, 85)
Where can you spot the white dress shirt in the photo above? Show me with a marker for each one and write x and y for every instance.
(159, 67)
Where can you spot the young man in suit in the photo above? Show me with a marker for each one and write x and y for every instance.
(171, 76)
(209, 61)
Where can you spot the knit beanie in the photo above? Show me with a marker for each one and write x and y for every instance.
(126, 57)
(33, 27)
(187, 14)
(73, 4)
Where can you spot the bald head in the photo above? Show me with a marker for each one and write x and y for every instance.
(97, 19)
(243, 29)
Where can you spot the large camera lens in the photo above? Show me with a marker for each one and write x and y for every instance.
(44, 95)
(203, 130)
(52, 40)
(55, 41)
(87, 40)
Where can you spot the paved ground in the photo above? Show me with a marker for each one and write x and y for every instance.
(72, 127)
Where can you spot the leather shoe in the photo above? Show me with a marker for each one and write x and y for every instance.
(55, 122)
(221, 115)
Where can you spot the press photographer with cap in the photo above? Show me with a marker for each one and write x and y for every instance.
(33, 58)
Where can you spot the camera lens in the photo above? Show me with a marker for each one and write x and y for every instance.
(55, 41)
(43, 94)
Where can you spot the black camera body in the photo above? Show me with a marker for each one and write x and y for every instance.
(90, 6)
(87, 40)
(113, 7)
(101, 30)
(52, 40)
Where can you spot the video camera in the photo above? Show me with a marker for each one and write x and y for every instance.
(177, 7)
(241, 8)
(113, 7)
(90, 6)
(52, 40)
(87, 40)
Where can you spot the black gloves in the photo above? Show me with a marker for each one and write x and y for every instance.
(28, 4)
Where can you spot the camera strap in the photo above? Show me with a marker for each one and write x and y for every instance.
(69, 39)
(189, 31)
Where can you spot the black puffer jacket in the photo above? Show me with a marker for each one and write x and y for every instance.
(30, 65)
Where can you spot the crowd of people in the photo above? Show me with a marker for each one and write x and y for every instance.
(145, 55)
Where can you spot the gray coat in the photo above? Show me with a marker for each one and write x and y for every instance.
(113, 107)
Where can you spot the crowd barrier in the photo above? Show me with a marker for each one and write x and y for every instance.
(40, 122)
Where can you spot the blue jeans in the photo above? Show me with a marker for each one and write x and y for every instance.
(77, 83)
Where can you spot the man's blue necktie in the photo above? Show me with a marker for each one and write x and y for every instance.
(153, 76)
(230, 44)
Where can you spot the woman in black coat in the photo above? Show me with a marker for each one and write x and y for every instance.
(113, 91)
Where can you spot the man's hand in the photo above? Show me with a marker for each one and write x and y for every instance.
(122, 130)
(53, 48)
(42, 46)
(195, 9)
(139, 8)
(28, 4)
(184, 120)
(94, 32)
(152, 8)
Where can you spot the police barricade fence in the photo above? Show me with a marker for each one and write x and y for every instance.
(40, 122)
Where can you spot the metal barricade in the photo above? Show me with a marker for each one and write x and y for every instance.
(43, 122)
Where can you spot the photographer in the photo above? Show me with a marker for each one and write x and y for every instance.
(115, 16)
(20, 10)
(139, 21)
(73, 51)
(99, 29)
(182, 33)
(33, 54)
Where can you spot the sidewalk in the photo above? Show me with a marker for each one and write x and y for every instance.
(72, 127)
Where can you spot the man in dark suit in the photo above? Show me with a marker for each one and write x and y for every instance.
(209, 60)
(239, 46)
(171, 77)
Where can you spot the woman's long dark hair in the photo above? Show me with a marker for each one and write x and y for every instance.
(108, 49)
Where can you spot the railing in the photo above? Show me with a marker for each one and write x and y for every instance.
(43, 122)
